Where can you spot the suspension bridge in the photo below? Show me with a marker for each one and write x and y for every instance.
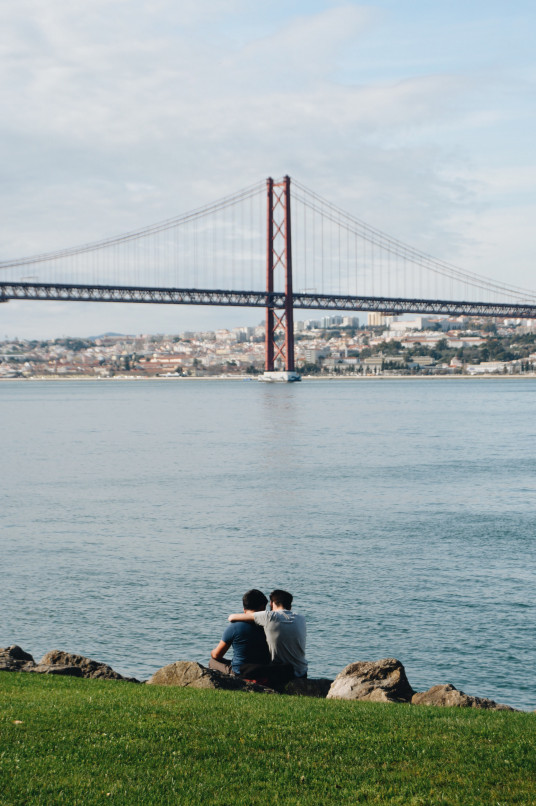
(271, 246)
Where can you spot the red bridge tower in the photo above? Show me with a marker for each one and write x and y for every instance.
(279, 326)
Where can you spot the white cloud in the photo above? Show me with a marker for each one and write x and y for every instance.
(124, 113)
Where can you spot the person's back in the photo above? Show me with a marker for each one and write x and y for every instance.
(285, 632)
(285, 635)
(246, 638)
(249, 644)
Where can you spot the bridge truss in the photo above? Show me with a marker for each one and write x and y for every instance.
(65, 292)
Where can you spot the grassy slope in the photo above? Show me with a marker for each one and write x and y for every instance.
(89, 742)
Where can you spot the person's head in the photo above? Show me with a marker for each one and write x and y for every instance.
(254, 600)
(282, 599)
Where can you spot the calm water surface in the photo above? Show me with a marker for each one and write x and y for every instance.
(400, 513)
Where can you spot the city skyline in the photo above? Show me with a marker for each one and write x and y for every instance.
(331, 346)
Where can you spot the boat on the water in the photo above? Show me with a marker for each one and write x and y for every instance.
(280, 376)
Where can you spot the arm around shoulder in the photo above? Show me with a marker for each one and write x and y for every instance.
(241, 617)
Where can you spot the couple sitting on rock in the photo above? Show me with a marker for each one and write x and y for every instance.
(268, 645)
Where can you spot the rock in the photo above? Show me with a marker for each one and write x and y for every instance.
(309, 687)
(88, 668)
(448, 695)
(377, 681)
(44, 668)
(190, 674)
(15, 659)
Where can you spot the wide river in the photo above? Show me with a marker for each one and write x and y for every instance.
(400, 513)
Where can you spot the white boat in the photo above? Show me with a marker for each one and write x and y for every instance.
(279, 376)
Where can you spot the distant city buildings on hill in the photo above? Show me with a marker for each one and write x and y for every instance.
(333, 345)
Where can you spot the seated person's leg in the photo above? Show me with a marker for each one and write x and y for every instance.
(222, 665)
(272, 675)
(256, 673)
(280, 674)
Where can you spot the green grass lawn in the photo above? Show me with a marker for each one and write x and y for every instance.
(74, 741)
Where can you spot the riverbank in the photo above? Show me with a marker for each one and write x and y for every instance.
(307, 378)
(76, 741)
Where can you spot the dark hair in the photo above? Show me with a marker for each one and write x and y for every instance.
(284, 598)
(254, 600)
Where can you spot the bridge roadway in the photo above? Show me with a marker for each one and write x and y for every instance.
(65, 292)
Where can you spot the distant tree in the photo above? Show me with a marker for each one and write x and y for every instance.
(76, 345)
(310, 369)
(392, 347)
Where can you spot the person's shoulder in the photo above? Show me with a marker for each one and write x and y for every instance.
(230, 632)
(243, 626)
(291, 615)
(281, 615)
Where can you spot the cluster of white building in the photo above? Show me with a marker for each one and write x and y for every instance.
(336, 343)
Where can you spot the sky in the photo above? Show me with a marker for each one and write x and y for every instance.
(416, 117)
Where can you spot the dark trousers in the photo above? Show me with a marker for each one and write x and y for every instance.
(272, 675)
(222, 665)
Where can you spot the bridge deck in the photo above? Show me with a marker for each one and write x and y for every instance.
(65, 292)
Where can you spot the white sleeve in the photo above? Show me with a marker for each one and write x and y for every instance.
(261, 618)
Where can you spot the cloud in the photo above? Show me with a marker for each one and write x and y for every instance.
(124, 113)
(305, 50)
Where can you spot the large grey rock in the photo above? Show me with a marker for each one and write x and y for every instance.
(448, 695)
(88, 668)
(15, 659)
(186, 673)
(309, 687)
(377, 681)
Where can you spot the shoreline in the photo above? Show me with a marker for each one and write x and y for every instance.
(359, 378)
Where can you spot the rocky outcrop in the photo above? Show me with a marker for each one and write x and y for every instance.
(15, 659)
(309, 687)
(77, 666)
(376, 681)
(448, 695)
(190, 674)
